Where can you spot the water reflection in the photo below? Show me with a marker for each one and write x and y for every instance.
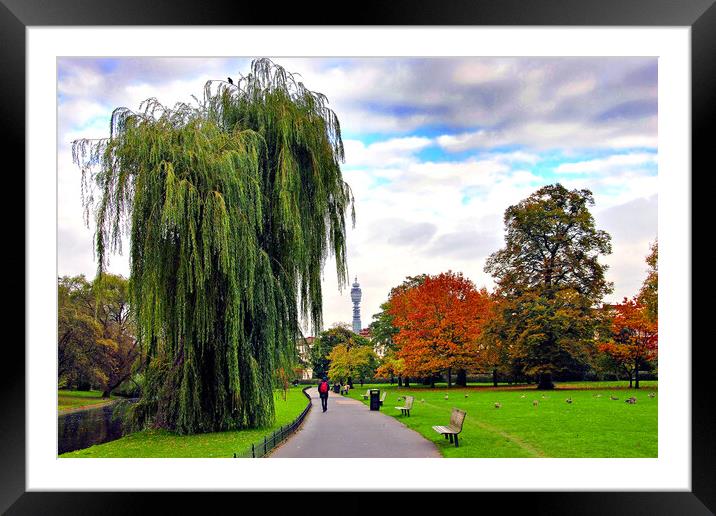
(85, 428)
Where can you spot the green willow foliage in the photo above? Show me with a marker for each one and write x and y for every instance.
(232, 206)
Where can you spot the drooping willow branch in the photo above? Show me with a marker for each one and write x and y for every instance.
(232, 207)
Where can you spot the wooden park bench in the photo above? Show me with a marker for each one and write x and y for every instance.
(457, 417)
(366, 395)
(407, 405)
(382, 397)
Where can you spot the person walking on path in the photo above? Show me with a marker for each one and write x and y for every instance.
(323, 389)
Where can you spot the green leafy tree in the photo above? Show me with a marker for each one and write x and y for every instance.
(350, 362)
(550, 278)
(78, 332)
(496, 343)
(121, 356)
(382, 329)
(96, 342)
(327, 340)
(649, 293)
(232, 206)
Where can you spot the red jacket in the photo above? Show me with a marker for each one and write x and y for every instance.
(328, 388)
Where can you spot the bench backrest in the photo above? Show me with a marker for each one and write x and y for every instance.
(457, 417)
(382, 396)
(409, 402)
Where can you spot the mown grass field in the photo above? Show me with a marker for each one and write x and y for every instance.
(593, 425)
(74, 400)
(163, 444)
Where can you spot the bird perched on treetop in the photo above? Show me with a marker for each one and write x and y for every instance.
(230, 80)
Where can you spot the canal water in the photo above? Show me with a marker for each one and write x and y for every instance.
(85, 428)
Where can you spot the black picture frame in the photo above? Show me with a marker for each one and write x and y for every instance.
(700, 15)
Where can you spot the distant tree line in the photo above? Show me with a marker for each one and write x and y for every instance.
(545, 319)
(96, 345)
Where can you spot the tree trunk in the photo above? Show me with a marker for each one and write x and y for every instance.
(631, 380)
(449, 377)
(407, 381)
(461, 378)
(545, 382)
(636, 376)
(432, 381)
(494, 377)
(400, 381)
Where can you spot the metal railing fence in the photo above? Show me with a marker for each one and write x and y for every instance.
(270, 441)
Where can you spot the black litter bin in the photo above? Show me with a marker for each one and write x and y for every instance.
(375, 399)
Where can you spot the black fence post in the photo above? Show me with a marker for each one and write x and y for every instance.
(283, 431)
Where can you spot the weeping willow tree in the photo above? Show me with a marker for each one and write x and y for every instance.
(232, 206)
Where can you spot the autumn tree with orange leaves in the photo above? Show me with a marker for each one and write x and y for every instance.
(440, 321)
(634, 338)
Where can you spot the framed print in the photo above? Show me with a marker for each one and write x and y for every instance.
(428, 234)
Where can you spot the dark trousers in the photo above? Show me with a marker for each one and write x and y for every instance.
(324, 402)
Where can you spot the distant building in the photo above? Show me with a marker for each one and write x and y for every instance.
(303, 348)
(356, 295)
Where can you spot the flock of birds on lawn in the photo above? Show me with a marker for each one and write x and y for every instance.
(535, 403)
(631, 400)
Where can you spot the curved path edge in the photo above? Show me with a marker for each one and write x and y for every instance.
(349, 429)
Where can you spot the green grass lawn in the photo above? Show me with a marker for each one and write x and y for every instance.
(73, 400)
(589, 427)
(163, 444)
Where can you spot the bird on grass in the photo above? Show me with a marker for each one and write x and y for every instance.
(466, 395)
(498, 405)
(446, 396)
(612, 397)
(631, 400)
(523, 396)
(231, 81)
(652, 394)
(569, 400)
(596, 395)
(422, 400)
(535, 403)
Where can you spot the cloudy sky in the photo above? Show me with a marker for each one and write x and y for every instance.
(436, 150)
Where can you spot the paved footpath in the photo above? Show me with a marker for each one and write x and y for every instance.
(349, 429)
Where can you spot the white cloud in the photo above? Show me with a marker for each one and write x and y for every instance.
(387, 153)
(610, 163)
(546, 135)
(416, 216)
